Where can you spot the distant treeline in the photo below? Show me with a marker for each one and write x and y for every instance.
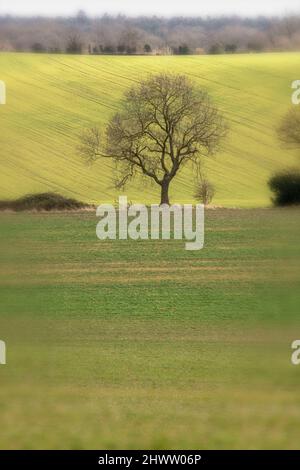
(148, 35)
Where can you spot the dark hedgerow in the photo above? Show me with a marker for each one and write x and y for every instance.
(42, 202)
(286, 187)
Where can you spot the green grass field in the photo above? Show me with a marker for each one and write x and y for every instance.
(141, 344)
(130, 344)
(50, 98)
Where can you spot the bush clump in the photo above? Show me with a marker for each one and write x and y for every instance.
(286, 187)
(42, 202)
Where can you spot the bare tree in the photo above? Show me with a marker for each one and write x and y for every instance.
(164, 124)
(289, 129)
(205, 191)
(74, 44)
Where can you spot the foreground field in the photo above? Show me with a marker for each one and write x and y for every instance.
(145, 345)
(50, 98)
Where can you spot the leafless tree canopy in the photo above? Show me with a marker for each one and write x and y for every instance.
(205, 192)
(164, 124)
(289, 129)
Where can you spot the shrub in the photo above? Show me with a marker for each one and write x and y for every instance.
(38, 47)
(286, 187)
(216, 49)
(231, 48)
(205, 191)
(183, 49)
(42, 202)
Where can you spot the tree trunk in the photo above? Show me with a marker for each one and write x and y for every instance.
(164, 198)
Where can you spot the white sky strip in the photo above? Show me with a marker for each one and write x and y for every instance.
(158, 7)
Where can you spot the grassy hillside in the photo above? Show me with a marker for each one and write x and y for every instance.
(51, 97)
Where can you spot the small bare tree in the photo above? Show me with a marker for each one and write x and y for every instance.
(164, 123)
(289, 129)
(74, 44)
(205, 191)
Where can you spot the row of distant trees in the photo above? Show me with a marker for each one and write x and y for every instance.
(148, 35)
